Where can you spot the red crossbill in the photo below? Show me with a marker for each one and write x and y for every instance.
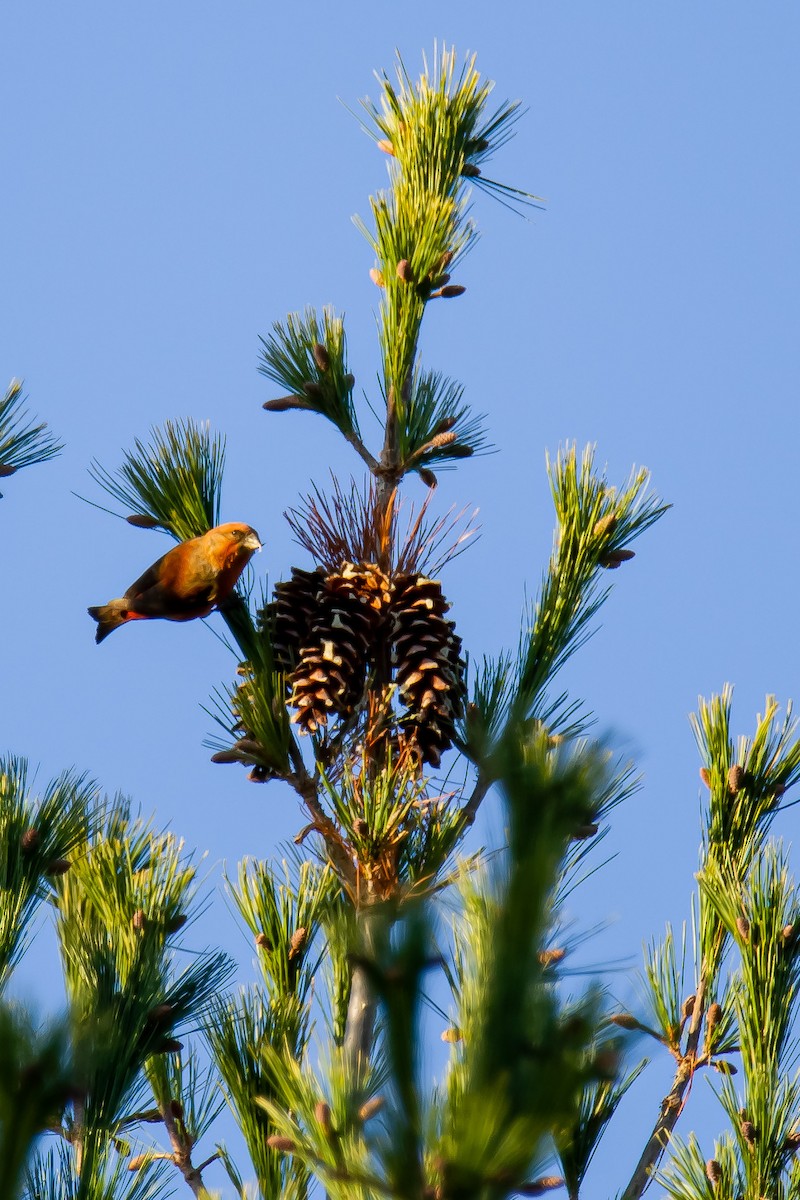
(187, 582)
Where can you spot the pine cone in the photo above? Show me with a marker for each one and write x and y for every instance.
(329, 631)
(427, 658)
(289, 616)
(342, 640)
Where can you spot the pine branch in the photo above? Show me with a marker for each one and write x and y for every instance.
(22, 443)
(521, 1064)
(39, 1075)
(439, 429)
(119, 906)
(745, 788)
(173, 483)
(596, 523)
(434, 131)
(578, 1143)
(238, 1032)
(308, 357)
(284, 917)
(186, 1106)
(40, 837)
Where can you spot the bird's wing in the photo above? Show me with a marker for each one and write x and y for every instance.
(159, 601)
(146, 581)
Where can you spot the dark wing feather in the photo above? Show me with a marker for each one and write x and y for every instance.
(148, 580)
(159, 601)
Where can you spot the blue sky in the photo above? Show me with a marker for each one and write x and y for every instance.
(179, 176)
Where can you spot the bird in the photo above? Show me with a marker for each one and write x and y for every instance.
(187, 582)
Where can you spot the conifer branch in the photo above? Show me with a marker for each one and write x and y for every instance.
(308, 357)
(173, 483)
(22, 443)
(745, 786)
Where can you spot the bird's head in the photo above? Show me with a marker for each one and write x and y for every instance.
(239, 536)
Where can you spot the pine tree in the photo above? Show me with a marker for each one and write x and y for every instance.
(353, 687)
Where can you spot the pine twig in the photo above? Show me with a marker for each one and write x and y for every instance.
(306, 787)
(672, 1104)
(360, 449)
(470, 809)
(182, 1154)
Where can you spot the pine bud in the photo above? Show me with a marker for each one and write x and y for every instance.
(549, 958)
(583, 832)
(370, 1108)
(349, 381)
(297, 942)
(226, 756)
(385, 146)
(791, 1142)
(470, 170)
(263, 942)
(258, 775)
(624, 1021)
(743, 926)
(143, 521)
(736, 779)
(284, 404)
(139, 920)
(58, 866)
(788, 934)
(451, 291)
(441, 439)
(615, 558)
(477, 145)
(6, 469)
(360, 827)
(713, 1171)
(606, 1063)
(281, 1143)
(321, 356)
(748, 1132)
(688, 1007)
(778, 790)
(312, 389)
(605, 526)
(176, 1108)
(377, 277)
(428, 477)
(30, 841)
(173, 924)
(705, 775)
(160, 1013)
(404, 271)
(248, 746)
(713, 1016)
(452, 1035)
(322, 1111)
(169, 1046)
(724, 1067)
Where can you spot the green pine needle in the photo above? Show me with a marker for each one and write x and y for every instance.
(40, 837)
(22, 443)
(596, 523)
(175, 480)
(439, 429)
(308, 358)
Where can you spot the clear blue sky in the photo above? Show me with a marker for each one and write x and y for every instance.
(177, 176)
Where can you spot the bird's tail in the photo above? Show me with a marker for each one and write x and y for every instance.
(109, 617)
